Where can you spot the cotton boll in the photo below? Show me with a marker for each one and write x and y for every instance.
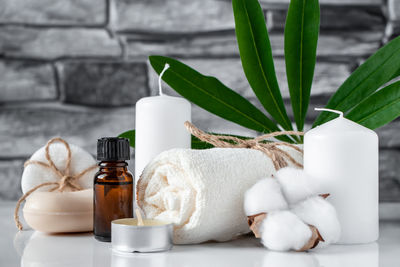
(320, 213)
(283, 230)
(264, 196)
(296, 184)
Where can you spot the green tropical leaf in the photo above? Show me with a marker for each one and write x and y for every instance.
(301, 38)
(256, 55)
(377, 70)
(130, 135)
(209, 93)
(378, 109)
(196, 143)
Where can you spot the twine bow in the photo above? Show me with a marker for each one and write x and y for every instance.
(66, 179)
(278, 156)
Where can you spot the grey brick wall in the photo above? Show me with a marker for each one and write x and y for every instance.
(75, 68)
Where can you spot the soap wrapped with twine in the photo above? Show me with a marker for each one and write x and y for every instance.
(67, 180)
(278, 156)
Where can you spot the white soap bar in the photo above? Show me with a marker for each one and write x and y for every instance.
(35, 174)
(60, 212)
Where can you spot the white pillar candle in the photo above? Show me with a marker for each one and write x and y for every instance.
(342, 156)
(160, 126)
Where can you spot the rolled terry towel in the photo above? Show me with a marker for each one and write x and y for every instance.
(201, 191)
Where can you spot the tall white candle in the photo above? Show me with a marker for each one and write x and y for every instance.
(342, 156)
(160, 126)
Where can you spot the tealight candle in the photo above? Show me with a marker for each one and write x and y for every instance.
(160, 126)
(342, 156)
(141, 235)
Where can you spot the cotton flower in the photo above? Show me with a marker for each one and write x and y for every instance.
(296, 184)
(265, 195)
(287, 212)
(320, 213)
(283, 230)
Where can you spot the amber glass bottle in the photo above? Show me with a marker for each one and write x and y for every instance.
(113, 186)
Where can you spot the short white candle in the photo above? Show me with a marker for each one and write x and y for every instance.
(342, 156)
(160, 127)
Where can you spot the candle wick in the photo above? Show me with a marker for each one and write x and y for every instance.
(159, 78)
(330, 110)
(139, 217)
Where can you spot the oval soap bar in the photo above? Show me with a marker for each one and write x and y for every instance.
(60, 212)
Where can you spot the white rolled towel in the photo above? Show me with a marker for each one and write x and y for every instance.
(201, 191)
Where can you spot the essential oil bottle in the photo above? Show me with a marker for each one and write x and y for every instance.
(113, 186)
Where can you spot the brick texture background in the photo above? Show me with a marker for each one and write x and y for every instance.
(75, 68)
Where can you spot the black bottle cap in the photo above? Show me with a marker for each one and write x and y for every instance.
(113, 149)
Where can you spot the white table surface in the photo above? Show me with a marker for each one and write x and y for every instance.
(29, 248)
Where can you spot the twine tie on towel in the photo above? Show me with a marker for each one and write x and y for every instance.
(66, 179)
(279, 157)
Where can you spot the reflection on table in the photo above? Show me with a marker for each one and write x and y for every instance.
(39, 249)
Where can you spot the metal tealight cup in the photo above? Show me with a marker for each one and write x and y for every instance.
(127, 236)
